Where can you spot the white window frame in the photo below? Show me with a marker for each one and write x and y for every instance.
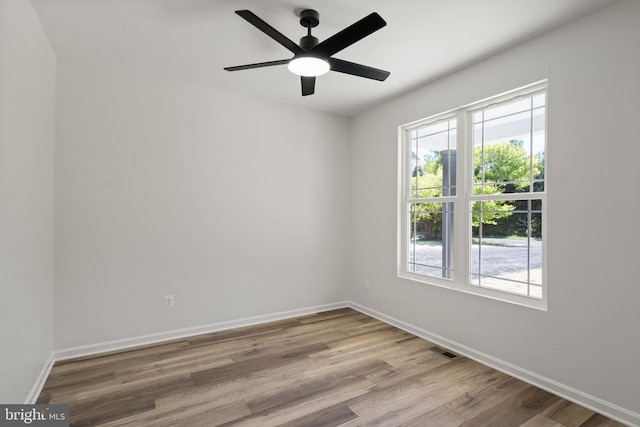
(463, 199)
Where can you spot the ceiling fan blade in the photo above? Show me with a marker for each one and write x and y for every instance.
(308, 85)
(358, 69)
(257, 65)
(350, 35)
(257, 22)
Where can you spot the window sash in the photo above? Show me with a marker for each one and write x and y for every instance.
(534, 254)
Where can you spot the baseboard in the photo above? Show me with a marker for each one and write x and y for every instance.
(88, 350)
(42, 378)
(594, 403)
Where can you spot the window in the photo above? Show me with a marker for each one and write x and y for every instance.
(473, 198)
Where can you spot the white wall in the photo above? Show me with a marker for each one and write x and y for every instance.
(590, 337)
(235, 206)
(27, 127)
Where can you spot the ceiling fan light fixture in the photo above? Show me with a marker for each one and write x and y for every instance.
(308, 66)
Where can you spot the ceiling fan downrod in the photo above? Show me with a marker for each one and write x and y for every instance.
(309, 19)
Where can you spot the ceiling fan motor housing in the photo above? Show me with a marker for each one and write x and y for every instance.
(308, 42)
(309, 18)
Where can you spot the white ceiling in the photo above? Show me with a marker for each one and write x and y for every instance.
(195, 39)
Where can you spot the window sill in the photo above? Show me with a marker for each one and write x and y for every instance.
(534, 303)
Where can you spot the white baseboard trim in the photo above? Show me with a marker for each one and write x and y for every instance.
(601, 406)
(122, 344)
(42, 378)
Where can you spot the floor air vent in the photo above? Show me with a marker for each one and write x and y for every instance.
(445, 353)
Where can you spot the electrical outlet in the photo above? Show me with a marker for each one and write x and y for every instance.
(366, 283)
(169, 301)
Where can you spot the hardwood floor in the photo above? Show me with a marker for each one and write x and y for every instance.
(338, 368)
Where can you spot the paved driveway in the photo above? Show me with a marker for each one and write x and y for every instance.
(505, 260)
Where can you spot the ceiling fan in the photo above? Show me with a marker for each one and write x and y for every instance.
(312, 58)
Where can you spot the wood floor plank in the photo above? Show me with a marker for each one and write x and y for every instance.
(417, 415)
(319, 391)
(344, 314)
(541, 421)
(99, 414)
(474, 403)
(342, 368)
(430, 364)
(416, 394)
(44, 398)
(122, 358)
(248, 364)
(597, 420)
(335, 368)
(205, 414)
(120, 389)
(418, 357)
(122, 401)
(440, 416)
(77, 379)
(515, 411)
(301, 403)
(241, 389)
(568, 414)
(332, 416)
